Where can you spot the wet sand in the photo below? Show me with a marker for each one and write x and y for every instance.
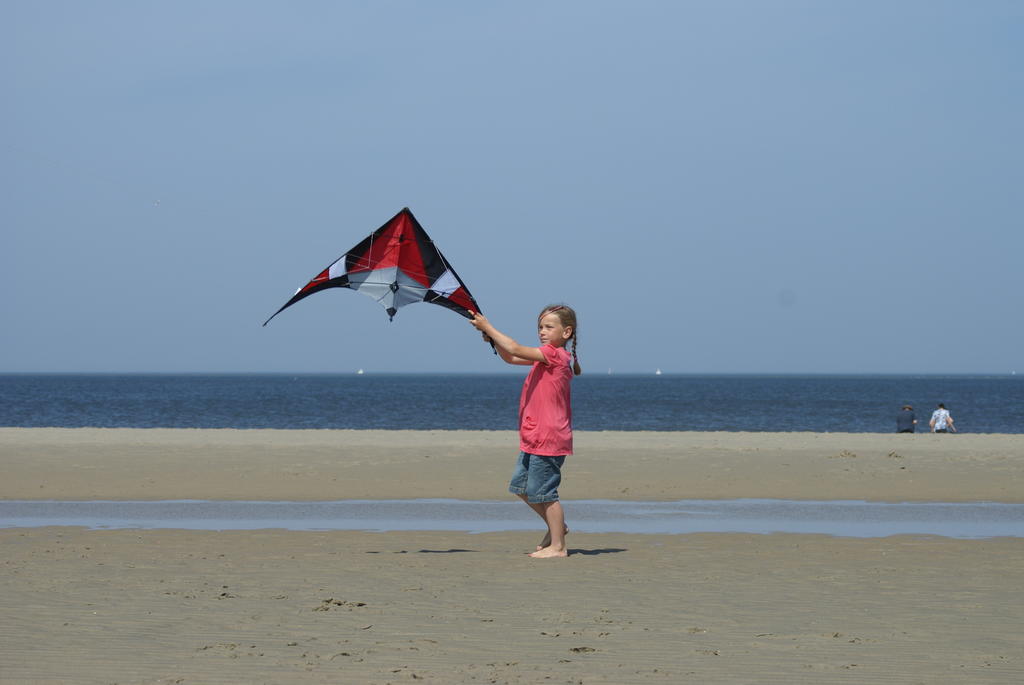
(276, 606)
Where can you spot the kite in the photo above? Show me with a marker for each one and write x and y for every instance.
(396, 265)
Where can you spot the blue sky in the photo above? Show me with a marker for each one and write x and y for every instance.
(775, 187)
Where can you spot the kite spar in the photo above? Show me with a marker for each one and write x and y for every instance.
(396, 265)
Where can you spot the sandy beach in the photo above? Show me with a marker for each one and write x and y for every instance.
(276, 606)
(103, 463)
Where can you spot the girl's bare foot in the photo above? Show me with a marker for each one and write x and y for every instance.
(549, 553)
(546, 542)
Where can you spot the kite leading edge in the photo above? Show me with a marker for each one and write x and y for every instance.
(396, 265)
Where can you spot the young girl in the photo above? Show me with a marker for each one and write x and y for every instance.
(545, 416)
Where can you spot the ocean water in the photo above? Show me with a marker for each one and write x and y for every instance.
(858, 404)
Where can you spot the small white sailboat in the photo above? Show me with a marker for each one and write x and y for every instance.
(359, 372)
(657, 372)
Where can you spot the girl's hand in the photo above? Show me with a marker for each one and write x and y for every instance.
(507, 348)
(479, 321)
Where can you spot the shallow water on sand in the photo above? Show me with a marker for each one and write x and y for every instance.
(840, 518)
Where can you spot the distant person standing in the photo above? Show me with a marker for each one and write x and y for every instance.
(941, 421)
(905, 420)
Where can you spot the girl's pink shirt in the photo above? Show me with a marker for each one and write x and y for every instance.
(545, 408)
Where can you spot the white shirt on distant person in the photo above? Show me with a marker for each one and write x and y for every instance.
(940, 417)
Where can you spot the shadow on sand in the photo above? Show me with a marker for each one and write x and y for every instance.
(424, 551)
(585, 552)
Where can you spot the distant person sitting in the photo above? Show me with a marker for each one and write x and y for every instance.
(905, 420)
(941, 421)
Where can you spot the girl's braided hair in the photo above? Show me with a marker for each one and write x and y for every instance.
(567, 316)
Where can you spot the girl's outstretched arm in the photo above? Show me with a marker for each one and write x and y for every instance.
(508, 349)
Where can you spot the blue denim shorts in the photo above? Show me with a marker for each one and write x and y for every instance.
(537, 477)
